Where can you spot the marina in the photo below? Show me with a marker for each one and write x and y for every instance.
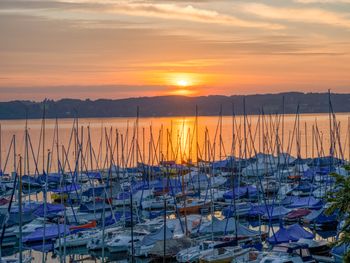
(185, 189)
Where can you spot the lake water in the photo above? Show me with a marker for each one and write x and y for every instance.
(168, 138)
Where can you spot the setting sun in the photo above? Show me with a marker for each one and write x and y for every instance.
(182, 79)
(182, 83)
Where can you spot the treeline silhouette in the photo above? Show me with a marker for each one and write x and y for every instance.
(177, 106)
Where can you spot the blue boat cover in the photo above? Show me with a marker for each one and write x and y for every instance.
(241, 191)
(224, 164)
(303, 201)
(51, 232)
(258, 210)
(51, 209)
(26, 207)
(324, 219)
(94, 175)
(327, 161)
(290, 234)
(298, 231)
(281, 236)
(340, 250)
(174, 185)
(309, 174)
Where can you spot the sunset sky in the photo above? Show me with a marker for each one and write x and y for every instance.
(123, 48)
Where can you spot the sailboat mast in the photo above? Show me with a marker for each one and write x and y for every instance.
(0, 152)
(330, 125)
(283, 113)
(137, 135)
(306, 152)
(197, 134)
(143, 144)
(348, 139)
(43, 123)
(245, 129)
(220, 134)
(20, 208)
(313, 142)
(132, 227)
(131, 197)
(103, 227)
(233, 131)
(165, 208)
(46, 182)
(26, 154)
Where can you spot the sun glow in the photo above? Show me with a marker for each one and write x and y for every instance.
(182, 79)
(182, 83)
(179, 83)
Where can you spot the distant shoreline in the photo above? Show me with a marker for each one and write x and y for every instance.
(177, 106)
(175, 116)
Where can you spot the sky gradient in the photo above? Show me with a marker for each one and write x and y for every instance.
(120, 48)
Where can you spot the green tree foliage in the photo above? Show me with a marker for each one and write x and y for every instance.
(340, 202)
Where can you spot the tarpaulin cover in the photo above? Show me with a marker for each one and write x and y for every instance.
(51, 232)
(299, 232)
(26, 208)
(290, 234)
(94, 175)
(257, 210)
(281, 236)
(51, 209)
(304, 201)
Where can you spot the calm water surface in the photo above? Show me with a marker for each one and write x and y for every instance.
(171, 138)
